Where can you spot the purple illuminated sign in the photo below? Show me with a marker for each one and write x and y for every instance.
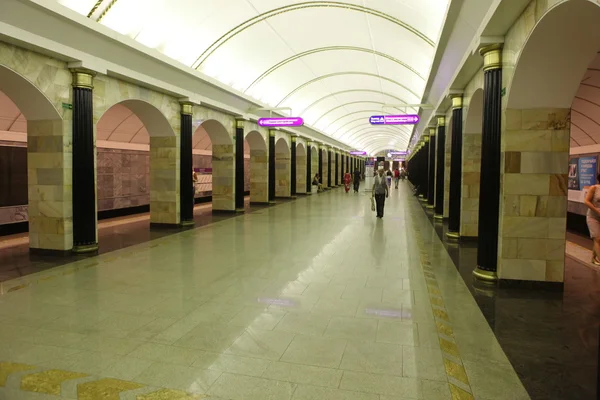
(398, 153)
(275, 122)
(358, 153)
(409, 119)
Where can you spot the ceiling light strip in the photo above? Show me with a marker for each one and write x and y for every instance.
(301, 6)
(327, 49)
(335, 74)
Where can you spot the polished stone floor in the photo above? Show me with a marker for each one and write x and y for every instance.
(311, 299)
(113, 234)
(551, 338)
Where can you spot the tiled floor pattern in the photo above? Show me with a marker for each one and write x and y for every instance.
(313, 299)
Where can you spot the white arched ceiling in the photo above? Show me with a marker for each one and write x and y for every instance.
(324, 59)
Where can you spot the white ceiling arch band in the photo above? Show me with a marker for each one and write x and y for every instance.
(358, 128)
(352, 135)
(379, 139)
(299, 6)
(352, 91)
(382, 131)
(364, 119)
(342, 73)
(348, 104)
(332, 48)
(309, 55)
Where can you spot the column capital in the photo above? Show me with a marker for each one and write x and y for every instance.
(457, 100)
(83, 78)
(441, 121)
(492, 56)
(432, 131)
(272, 132)
(294, 138)
(187, 108)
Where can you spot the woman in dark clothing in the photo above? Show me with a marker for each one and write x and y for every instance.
(356, 180)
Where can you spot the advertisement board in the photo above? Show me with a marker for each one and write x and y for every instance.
(582, 175)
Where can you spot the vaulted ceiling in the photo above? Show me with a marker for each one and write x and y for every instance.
(333, 63)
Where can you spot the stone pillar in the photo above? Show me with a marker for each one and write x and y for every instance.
(301, 171)
(456, 168)
(321, 165)
(283, 168)
(337, 168)
(186, 198)
(293, 167)
(431, 169)
(329, 167)
(239, 166)
(309, 172)
(271, 166)
(85, 238)
(440, 167)
(489, 194)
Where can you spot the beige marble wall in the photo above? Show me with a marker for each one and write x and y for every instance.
(300, 166)
(223, 175)
(160, 114)
(47, 83)
(283, 171)
(471, 157)
(259, 176)
(533, 210)
(314, 159)
(447, 159)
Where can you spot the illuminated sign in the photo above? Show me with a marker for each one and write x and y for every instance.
(398, 153)
(409, 119)
(277, 122)
(358, 153)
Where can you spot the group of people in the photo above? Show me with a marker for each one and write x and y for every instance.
(348, 179)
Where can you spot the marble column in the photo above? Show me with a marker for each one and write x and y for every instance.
(337, 168)
(239, 166)
(187, 187)
(309, 168)
(321, 166)
(431, 169)
(329, 163)
(271, 166)
(455, 168)
(489, 194)
(293, 167)
(440, 167)
(85, 238)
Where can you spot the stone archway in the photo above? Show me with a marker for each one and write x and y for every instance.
(212, 136)
(283, 168)
(259, 168)
(541, 86)
(49, 167)
(163, 160)
(471, 168)
(300, 168)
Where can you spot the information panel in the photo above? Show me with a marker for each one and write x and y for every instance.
(408, 119)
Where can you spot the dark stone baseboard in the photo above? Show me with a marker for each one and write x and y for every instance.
(14, 228)
(469, 239)
(576, 223)
(535, 285)
(154, 225)
(52, 253)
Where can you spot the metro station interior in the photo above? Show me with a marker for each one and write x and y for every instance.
(187, 196)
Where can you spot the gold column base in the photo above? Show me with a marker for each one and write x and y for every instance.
(438, 216)
(453, 235)
(188, 223)
(88, 248)
(420, 196)
(240, 210)
(272, 202)
(485, 276)
(429, 206)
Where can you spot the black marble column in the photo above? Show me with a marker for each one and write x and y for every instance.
(455, 169)
(84, 174)
(271, 166)
(489, 193)
(321, 165)
(337, 168)
(308, 168)
(329, 163)
(293, 168)
(239, 166)
(187, 189)
(431, 169)
(440, 168)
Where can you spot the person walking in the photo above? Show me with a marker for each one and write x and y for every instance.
(592, 201)
(356, 180)
(389, 176)
(396, 177)
(347, 181)
(380, 192)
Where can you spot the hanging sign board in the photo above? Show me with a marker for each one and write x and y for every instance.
(398, 153)
(358, 153)
(277, 122)
(409, 119)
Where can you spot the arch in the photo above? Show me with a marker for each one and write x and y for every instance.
(327, 49)
(474, 115)
(545, 80)
(259, 167)
(300, 6)
(49, 202)
(471, 168)
(212, 134)
(283, 168)
(33, 103)
(343, 73)
(549, 56)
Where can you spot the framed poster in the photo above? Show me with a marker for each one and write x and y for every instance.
(587, 171)
(573, 174)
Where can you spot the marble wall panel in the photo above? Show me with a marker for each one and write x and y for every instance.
(259, 176)
(300, 174)
(223, 177)
(283, 170)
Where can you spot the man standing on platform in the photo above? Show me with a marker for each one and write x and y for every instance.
(380, 192)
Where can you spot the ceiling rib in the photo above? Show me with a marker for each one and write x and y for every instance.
(350, 91)
(327, 49)
(301, 6)
(347, 104)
